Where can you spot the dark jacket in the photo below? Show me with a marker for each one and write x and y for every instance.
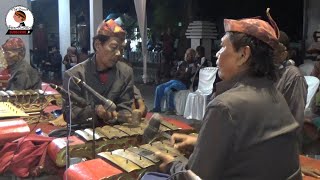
(23, 77)
(184, 72)
(118, 88)
(248, 133)
(294, 88)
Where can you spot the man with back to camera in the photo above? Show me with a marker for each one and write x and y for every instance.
(106, 75)
(248, 125)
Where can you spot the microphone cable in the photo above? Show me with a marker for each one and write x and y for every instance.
(175, 174)
(31, 130)
(69, 126)
(187, 175)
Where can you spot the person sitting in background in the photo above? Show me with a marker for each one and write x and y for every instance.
(23, 76)
(83, 55)
(54, 63)
(71, 58)
(291, 83)
(314, 51)
(316, 68)
(181, 81)
(201, 62)
(104, 73)
(248, 126)
(201, 59)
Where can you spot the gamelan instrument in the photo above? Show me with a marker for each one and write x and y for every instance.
(12, 129)
(130, 163)
(32, 102)
(108, 138)
(8, 110)
(29, 100)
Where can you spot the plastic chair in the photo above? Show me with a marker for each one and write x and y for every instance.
(197, 101)
(307, 67)
(180, 100)
(313, 85)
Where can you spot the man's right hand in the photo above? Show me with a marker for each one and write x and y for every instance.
(183, 141)
(309, 171)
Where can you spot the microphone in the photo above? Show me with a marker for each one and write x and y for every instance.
(152, 130)
(108, 104)
(74, 97)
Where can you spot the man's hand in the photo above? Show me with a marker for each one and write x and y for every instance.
(165, 158)
(59, 121)
(183, 141)
(309, 171)
(105, 115)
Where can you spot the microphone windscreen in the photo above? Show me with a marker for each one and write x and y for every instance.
(152, 129)
(76, 80)
(109, 105)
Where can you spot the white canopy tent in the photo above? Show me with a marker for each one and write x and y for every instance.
(140, 6)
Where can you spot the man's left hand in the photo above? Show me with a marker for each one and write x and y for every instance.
(105, 115)
(165, 158)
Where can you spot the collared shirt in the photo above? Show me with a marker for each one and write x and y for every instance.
(248, 133)
(118, 88)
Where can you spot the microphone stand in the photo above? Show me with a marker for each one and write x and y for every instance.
(68, 144)
(94, 118)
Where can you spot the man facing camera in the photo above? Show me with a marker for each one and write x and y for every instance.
(106, 75)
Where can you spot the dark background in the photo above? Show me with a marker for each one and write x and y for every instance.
(288, 14)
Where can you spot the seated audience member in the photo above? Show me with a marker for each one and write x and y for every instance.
(248, 131)
(107, 75)
(71, 58)
(292, 83)
(54, 63)
(83, 55)
(316, 69)
(294, 88)
(181, 81)
(23, 76)
(314, 50)
(201, 62)
(201, 59)
(55, 57)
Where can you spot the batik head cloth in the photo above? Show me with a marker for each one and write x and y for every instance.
(14, 49)
(3, 61)
(111, 29)
(260, 29)
(13, 44)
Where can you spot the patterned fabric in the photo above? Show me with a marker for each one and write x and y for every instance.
(111, 28)
(3, 61)
(257, 28)
(15, 50)
(13, 44)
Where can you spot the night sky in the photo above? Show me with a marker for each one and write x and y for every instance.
(288, 14)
